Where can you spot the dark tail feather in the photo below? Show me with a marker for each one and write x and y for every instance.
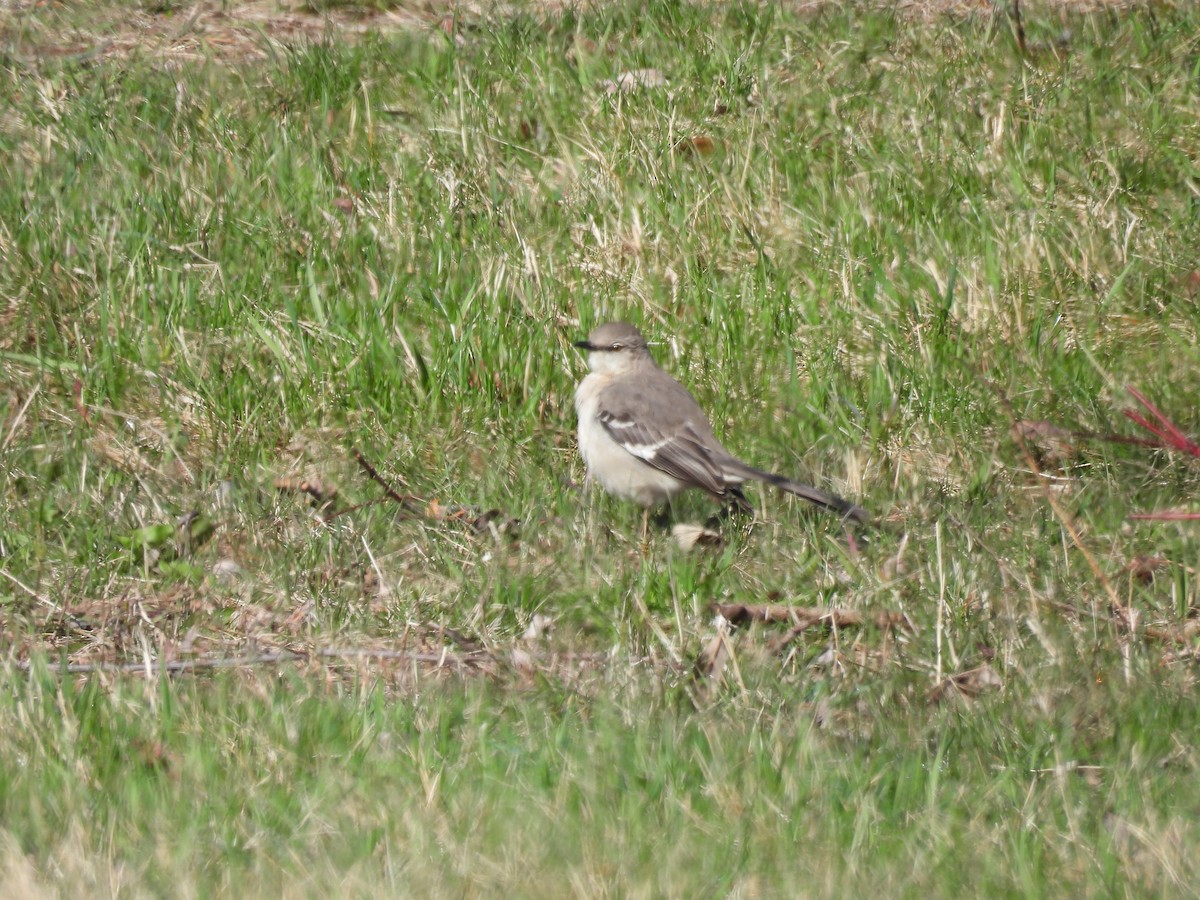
(832, 502)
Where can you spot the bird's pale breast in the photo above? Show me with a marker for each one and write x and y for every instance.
(618, 471)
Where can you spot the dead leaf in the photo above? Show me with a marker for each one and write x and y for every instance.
(894, 566)
(580, 46)
(1144, 568)
(713, 656)
(967, 685)
(226, 571)
(320, 491)
(155, 755)
(451, 27)
(630, 81)
(1050, 445)
(699, 145)
(522, 661)
(688, 537)
(532, 130)
(539, 627)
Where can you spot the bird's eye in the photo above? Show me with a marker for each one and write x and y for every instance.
(617, 345)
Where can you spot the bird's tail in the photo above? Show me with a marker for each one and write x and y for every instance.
(832, 502)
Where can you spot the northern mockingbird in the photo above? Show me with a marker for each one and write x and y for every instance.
(645, 438)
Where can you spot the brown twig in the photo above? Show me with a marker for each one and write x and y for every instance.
(1168, 515)
(408, 501)
(1174, 634)
(804, 618)
(492, 521)
(1064, 518)
(842, 619)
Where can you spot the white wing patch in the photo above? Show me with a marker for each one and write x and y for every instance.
(636, 437)
(619, 424)
(648, 452)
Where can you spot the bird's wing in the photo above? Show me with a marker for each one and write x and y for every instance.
(674, 437)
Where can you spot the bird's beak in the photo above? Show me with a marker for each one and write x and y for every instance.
(583, 345)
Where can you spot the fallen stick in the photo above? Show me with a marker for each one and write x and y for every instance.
(407, 501)
(1173, 634)
(804, 617)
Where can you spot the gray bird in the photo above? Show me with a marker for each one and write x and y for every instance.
(646, 439)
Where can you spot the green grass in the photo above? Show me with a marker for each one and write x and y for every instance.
(217, 277)
(263, 783)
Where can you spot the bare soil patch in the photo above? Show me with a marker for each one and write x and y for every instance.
(37, 31)
(227, 32)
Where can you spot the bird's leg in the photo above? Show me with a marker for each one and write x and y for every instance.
(726, 512)
(662, 519)
(734, 504)
(645, 530)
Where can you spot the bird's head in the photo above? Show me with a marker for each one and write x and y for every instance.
(613, 347)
